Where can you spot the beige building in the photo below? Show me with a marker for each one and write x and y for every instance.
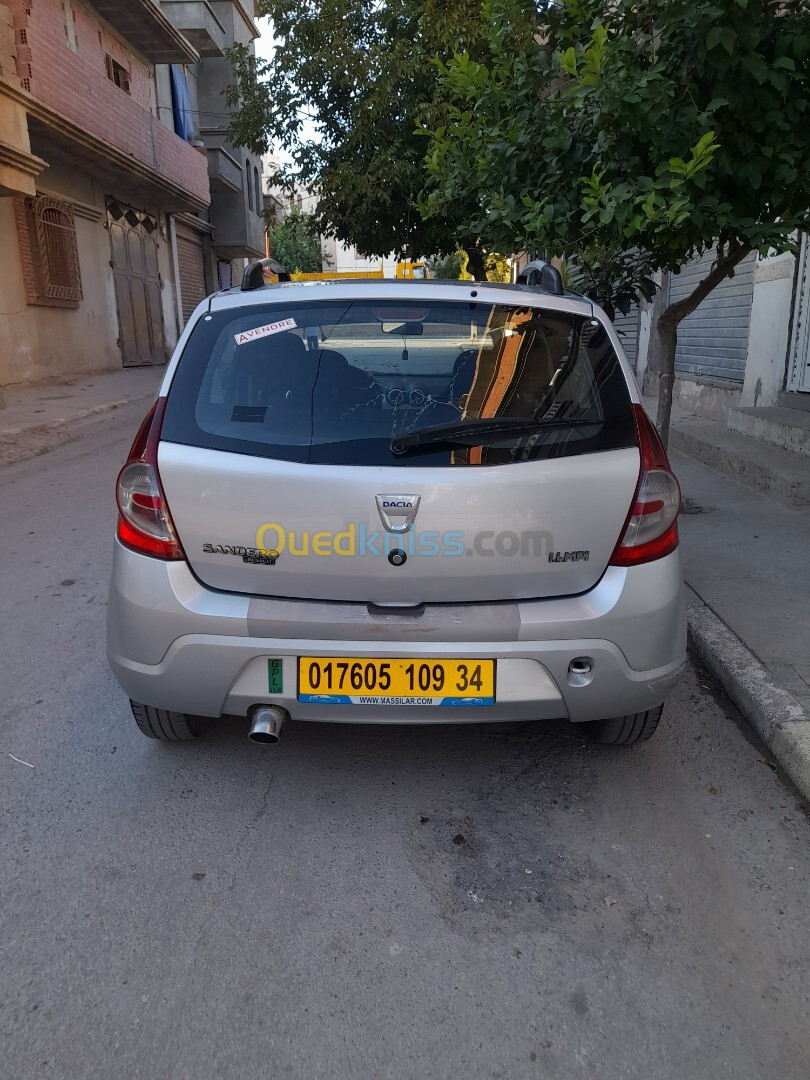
(122, 204)
(94, 185)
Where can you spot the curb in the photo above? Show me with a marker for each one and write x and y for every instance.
(21, 443)
(773, 473)
(39, 429)
(778, 718)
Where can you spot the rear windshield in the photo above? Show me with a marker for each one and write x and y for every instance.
(337, 382)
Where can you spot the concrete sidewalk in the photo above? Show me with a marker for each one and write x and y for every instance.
(40, 417)
(745, 561)
(772, 454)
(745, 541)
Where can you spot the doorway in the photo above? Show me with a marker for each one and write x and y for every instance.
(133, 241)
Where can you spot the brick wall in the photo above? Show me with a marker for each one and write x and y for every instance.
(75, 84)
(8, 45)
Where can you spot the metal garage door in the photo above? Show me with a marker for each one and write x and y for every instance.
(191, 265)
(626, 326)
(713, 340)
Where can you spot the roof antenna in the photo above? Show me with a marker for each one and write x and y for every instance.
(253, 277)
(539, 274)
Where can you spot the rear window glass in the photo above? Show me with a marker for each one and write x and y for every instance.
(337, 382)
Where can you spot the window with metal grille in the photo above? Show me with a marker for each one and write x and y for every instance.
(56, 256)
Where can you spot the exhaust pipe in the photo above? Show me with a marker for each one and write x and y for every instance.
(266, 722)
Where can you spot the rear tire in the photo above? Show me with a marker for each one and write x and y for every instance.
(161, 724)
(625, 730)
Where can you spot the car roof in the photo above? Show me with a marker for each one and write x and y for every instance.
(390, 288)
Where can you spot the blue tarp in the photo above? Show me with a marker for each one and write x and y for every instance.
(183, 120)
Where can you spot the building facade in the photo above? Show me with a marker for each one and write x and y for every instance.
(743, 356)
(121, 203)
(344, 258)
(213, 247)
(90, 175)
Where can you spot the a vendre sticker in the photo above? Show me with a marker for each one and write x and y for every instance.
(264, 331)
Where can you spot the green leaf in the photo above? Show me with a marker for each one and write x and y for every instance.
(568, 61)
(756, 66)
(703, 144)
(624, 303)
(647, 287)
(721, 35)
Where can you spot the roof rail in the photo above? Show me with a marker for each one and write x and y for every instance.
(540, 274)
(253, 277)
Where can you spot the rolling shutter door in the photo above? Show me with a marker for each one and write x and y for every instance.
(191, 264)
(713, 340)
(626, 326)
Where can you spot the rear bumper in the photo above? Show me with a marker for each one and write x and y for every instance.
(174, 644)
(213, 676)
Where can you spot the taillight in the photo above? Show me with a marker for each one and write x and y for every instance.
(651, 529)
(144, 522)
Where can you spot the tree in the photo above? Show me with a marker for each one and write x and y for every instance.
(498, 267)
(454, 267)
(296, 243)
(629, 136)
(348, 83)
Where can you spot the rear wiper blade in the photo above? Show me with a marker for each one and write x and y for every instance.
(471, 431)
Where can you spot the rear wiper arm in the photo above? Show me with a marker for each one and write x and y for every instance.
(470, 432)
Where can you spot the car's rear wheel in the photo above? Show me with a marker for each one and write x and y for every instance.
(625, 730)
(162, 724)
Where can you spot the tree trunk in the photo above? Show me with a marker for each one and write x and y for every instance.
(664, 331)
(476, 262)
(664, 341)
(651, 374)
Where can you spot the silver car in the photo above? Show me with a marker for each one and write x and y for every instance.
(397, 502)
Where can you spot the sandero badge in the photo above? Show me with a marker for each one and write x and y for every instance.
(255, 556)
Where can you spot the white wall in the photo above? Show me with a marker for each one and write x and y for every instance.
(347, 260)
(768, 334)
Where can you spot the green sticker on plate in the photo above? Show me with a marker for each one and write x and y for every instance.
(275, 675)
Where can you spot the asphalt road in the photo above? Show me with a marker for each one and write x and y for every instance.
(366, 902)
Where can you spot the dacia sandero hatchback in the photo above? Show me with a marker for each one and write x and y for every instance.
(397, 502)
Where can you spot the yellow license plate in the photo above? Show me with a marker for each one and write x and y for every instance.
(344, 680)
